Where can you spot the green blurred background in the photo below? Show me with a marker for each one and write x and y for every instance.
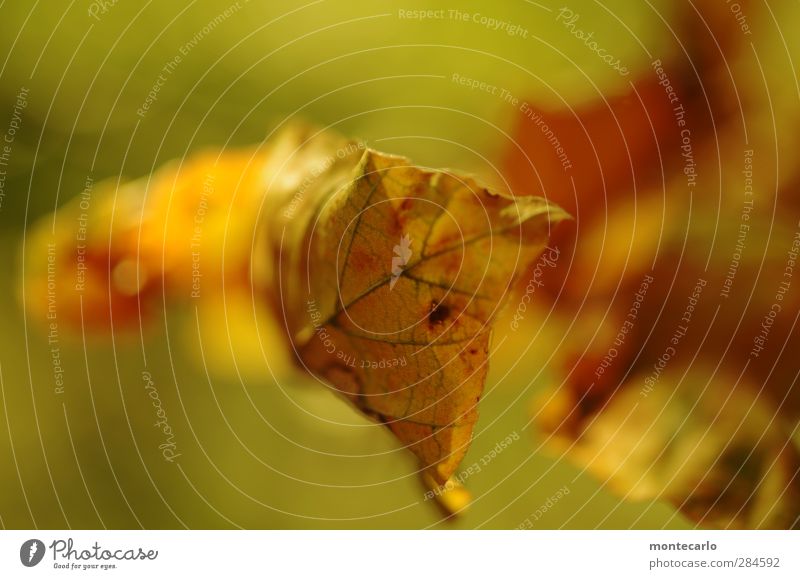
(256, 453)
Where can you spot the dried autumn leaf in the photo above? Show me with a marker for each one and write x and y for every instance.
(670, 391)
(704, 441)
(666, 393)
(664, 396)
(406, 340)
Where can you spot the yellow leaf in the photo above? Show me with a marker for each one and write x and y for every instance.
(391, 295)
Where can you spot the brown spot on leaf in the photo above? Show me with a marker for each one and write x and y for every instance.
(439, 313)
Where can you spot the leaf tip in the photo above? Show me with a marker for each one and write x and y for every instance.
(451, 496)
